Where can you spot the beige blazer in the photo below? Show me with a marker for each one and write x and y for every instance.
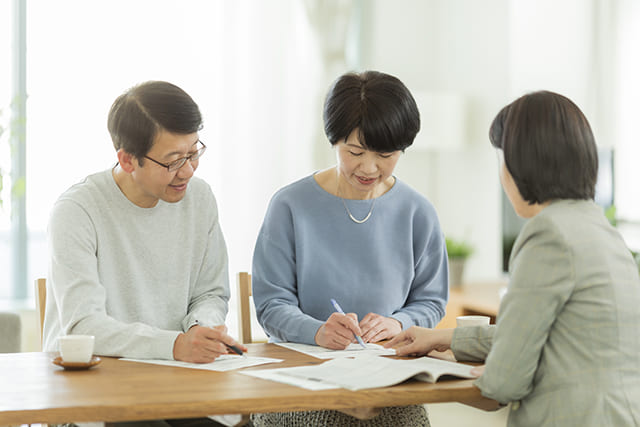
(566, 347)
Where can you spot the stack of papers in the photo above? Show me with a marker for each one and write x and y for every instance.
(363, 372)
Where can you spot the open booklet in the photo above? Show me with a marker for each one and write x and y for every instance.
(352, 350)
(364, 372)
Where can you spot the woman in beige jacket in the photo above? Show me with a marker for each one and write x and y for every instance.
(566, 348)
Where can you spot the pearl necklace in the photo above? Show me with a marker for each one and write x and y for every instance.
(357, 221)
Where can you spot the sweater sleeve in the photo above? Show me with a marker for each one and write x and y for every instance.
(78, 298)
(210, 295)
(472, 343)
(427, 299)
(274, 280)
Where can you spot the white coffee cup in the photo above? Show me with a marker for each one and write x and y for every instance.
(76, 348)
(462, 321)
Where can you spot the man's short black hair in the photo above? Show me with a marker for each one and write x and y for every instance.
(141, 112)
(379, 105)
(548, 147)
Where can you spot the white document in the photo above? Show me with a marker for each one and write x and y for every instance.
(353, 350)
(226, 362)
(368, 372)
(281, 375)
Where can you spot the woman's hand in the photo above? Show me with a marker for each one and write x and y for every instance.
(478, 371)
(417, 341)
(377, 328)
(338, 331)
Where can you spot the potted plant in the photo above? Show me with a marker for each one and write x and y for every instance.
(458, 251)
(610, 213)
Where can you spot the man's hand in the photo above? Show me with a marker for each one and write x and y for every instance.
(338, 331)
(202, 344)
(377, 328)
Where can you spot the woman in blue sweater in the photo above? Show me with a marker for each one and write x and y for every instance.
(354, 233)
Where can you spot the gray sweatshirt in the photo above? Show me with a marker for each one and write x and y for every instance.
(133, 277)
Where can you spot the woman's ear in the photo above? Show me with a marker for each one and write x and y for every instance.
(127, 161)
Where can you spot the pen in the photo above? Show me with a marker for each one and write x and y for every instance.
(339, 310)
(233, 348)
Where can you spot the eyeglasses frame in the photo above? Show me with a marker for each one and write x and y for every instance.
(179, 163)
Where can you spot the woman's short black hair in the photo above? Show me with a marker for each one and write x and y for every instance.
(141, 112)
(548, 147)
(379, 105)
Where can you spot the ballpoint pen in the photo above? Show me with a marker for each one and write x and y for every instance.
(233, 348)
(339, 310)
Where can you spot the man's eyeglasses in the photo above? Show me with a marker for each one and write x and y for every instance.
(178, 163)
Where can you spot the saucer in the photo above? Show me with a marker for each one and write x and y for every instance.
(76, 366)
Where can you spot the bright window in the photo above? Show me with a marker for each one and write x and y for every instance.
(249, 66)
(5, 156)
(628, 150)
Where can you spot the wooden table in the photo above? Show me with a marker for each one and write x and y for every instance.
(33, 390)
(473, 299)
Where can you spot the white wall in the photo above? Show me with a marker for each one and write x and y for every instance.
(567, 47)
(487, 54)
(460, 48)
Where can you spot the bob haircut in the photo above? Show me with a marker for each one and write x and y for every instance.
(379, 105)
(139, 114)
(548, 147)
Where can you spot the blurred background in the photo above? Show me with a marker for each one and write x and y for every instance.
(259, 71)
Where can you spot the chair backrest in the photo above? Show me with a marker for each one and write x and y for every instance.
(244, 307)
(41, 301)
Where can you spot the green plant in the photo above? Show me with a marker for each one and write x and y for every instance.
(636, 257)
(458, 248)
(610, 214)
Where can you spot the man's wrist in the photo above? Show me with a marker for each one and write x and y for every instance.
(176, 346)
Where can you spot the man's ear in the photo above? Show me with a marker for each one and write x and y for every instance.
(127, 161)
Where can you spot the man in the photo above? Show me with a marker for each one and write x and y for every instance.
(138, 258)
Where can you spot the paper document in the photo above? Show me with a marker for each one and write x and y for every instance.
(281, 375)
(353, 350)
(226, 362)
(367, 372)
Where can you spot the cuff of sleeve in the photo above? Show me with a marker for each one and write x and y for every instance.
(167, 340)
(193, 319)
(466, 345)
(404, 319)
(308, 331)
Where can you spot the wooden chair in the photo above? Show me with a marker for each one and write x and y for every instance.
(245, 316)
(244, 307)
(41, 301)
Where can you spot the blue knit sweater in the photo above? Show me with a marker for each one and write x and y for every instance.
(309, 251)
